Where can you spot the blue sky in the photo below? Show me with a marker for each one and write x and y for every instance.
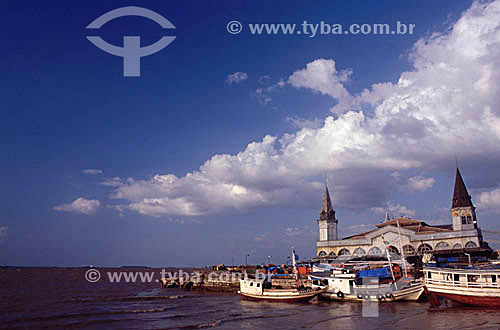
(66, 108)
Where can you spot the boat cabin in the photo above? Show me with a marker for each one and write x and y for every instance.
(255, 287)
(469, 278)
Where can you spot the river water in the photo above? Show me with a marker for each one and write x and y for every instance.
(57, 298)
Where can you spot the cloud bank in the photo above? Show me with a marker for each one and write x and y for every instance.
(446, 104)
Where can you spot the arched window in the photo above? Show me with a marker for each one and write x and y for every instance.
(374, 251)
(442, 246)
(332, 254)
(359, 252)
(409, 250)
(424, 248)
(322, 254)
(457, 246)
(392, 250)
(470, 244)
(344, 252)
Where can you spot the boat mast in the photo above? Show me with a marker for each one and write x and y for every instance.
(402, 250)
(390, 263)
(294, 261)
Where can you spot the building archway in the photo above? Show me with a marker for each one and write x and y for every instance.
(392, 250)
(409, 250)
(424, 248)
(470, 245)
(359, 252)
(457, 246)
(374, 251)
(344, 252)
(322, 254)
(332, 254)
(442, 246)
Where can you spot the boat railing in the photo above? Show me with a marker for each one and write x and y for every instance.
(463, 284)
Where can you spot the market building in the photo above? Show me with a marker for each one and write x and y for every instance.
(414, 237)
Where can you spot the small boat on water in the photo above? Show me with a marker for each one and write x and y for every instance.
(263, 290)
(370, 285)
(477, 286)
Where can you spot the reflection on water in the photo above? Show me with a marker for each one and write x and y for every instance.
(61, 298)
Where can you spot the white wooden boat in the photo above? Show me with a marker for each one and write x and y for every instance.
(262, 290)
(471, 286)
(347, 287)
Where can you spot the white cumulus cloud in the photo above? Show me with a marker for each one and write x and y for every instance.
(489, 201)
(80, 205)
(322, 76)
(419, 183)
(395, 210)
(236, 77)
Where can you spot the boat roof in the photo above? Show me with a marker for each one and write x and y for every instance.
(489, 268)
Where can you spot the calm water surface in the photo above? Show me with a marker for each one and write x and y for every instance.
(63, 299)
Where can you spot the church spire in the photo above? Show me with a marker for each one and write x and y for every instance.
(461, 197)
(327, 211)
(387, 218)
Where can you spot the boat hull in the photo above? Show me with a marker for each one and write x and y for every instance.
(470, 296)
(408, 294)
(471, 300)
(280, 298)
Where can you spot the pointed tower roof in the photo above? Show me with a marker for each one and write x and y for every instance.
(461, 197)
(327, 211)
(387, 218)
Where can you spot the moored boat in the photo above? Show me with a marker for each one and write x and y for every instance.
(350, 286)
(471, 286)
(262, 290)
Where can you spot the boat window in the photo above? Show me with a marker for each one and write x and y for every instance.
(251, 283)
(258, 285)
(429, 275)
(456, 277)
(493, 278)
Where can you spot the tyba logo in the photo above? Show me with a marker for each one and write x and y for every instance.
(131, 50)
